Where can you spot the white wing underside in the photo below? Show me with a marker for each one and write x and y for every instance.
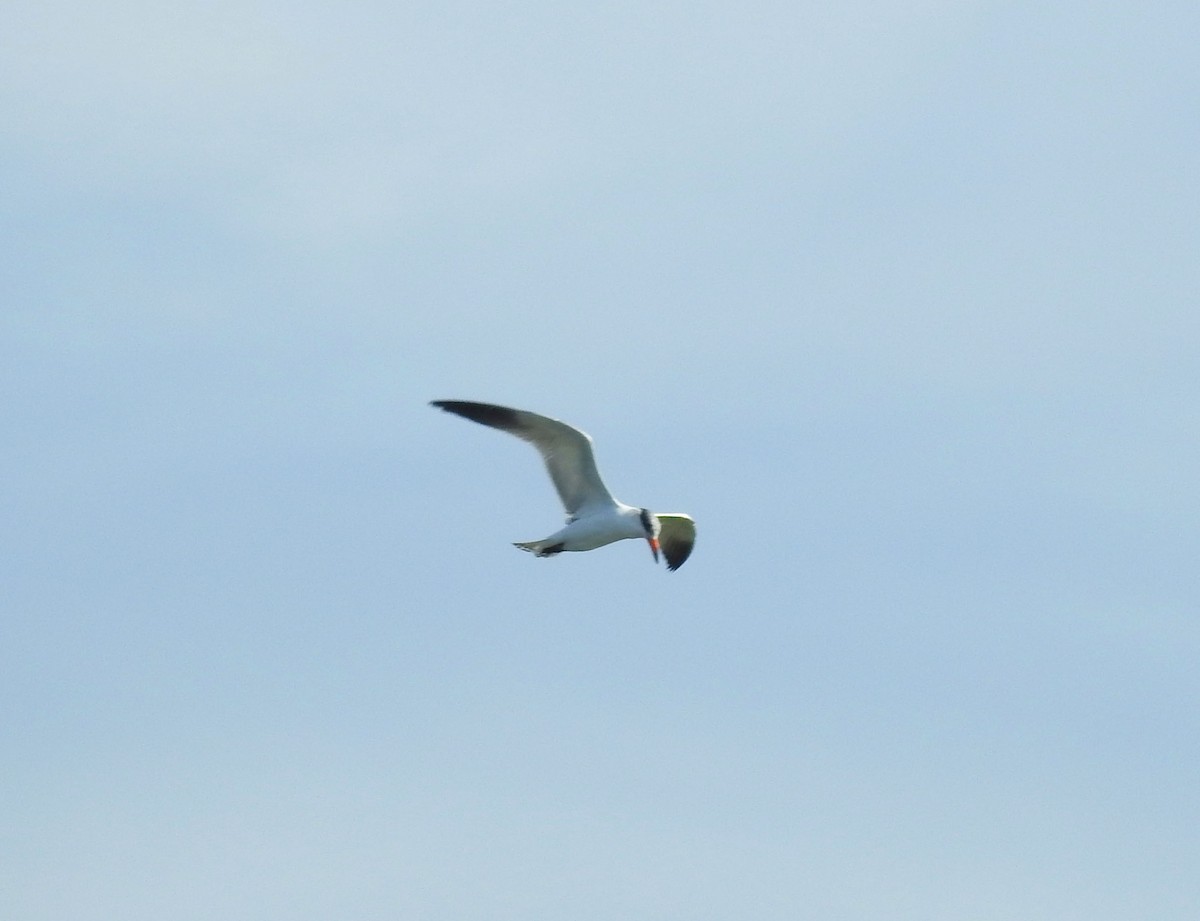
(566, 451)
(570, 462)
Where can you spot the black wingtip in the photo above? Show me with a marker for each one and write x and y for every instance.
(676, 554)
(500, 417)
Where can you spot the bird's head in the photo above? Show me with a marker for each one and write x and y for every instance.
(651, 526)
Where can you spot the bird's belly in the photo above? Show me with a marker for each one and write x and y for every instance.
(588, 534)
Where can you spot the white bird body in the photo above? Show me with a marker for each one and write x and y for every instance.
(594, 517)
(600, 527)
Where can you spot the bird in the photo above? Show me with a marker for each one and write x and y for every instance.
(594, 517)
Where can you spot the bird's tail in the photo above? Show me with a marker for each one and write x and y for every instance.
(540, 547)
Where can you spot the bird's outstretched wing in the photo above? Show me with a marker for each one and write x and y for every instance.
(566, 451)
(677, 537)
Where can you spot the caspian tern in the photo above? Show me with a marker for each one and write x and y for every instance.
(594, 517)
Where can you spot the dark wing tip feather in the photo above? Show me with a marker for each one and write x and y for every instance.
(500, 417)
(676, 562)
(676, 552)
(677, 538)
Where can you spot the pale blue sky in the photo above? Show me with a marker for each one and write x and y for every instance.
(899, 300)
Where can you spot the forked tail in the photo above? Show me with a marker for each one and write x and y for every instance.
(540, 547)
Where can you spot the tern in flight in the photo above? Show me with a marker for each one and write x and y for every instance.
(594, 517)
